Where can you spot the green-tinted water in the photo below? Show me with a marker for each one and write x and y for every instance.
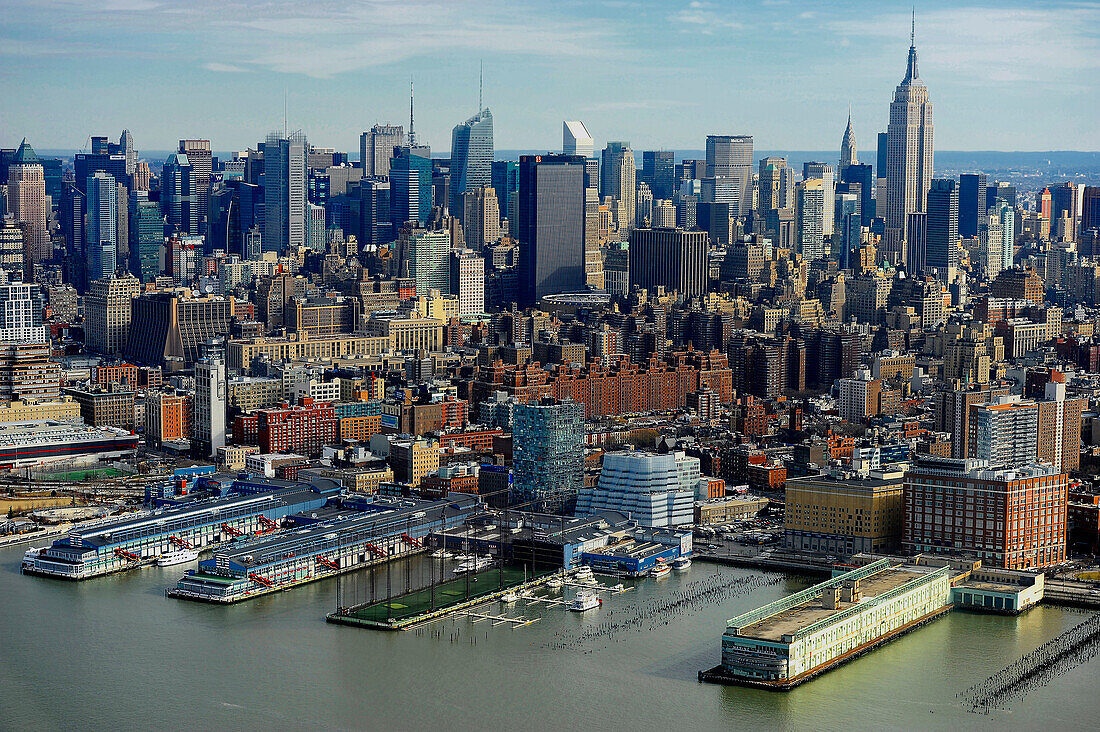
(115, 653)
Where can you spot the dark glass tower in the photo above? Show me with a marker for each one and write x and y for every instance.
(943, 226)
(551, 225)
(972, 205)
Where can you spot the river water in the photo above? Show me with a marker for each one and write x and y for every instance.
(114, 653)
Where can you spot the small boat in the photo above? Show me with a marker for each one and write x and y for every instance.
(584, 572)
(554, 583)
(509, 597)
(441, 554)
(660, 570)
(681, 564)
(183, 556)
(473, 565)
(617, 588)
(585, 600)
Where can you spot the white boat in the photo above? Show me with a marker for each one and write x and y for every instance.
(31, 554)
(660, 570)
(460, 557)
(585, 600)
(554, 583)
(584, 572)
(617, 588)
(681, 564)
(182, 556)
(473, 565)
(441, 554)
(509, 597)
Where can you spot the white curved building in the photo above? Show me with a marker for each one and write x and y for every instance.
(646, 486)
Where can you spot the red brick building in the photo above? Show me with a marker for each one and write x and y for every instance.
(302, 429)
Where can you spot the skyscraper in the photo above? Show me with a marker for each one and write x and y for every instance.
(618, 179)
(468, 281)
(730, 156)
(284, 191)
(864, 176)
(128, 151)
(506, 184)
(943, 228)
(548, 457)
(909, 147)
(202, 166)
(481, 217)
(410, 189)
(551, 225)
(146, 236)
(27, 202)
(846, 225)
(824, 171)
(848, 154)
(916, 242)
(880, 175)
(576, 140)
(972, 204)
(210, 401)
(810, 218)
(375, 220)
(672, 258)
(427, 254)
(21, 314)
(471, 157)
(177, 195)
(771, 184)
(107, 313)
(101, 245)
(376, 147)
(659, 173)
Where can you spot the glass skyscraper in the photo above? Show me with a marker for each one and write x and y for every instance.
(551, 225)
(506, 184)
(102, 229)
(548, 455)
(471, 158)
(943, 227)
(177, 195)
(284, 191)
(146, 236)
(410, 189)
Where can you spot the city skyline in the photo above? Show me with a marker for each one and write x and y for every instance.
(247, 61)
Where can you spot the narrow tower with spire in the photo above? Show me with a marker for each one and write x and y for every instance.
(908, 146)
(847, 148)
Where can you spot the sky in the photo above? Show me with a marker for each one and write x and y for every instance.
(1003, 75)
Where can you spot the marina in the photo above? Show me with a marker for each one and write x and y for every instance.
(649, 637)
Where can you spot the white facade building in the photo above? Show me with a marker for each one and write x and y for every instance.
(647, 486)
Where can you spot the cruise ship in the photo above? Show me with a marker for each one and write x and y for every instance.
(26, 444)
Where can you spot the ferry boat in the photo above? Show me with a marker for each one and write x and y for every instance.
(681, 564)
(585, 600)
(473, 565)
(183, 556)
(660, 570)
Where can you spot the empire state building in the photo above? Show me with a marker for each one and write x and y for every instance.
(908, 148)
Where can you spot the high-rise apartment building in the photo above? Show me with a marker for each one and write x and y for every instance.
(202, 167)
(551, 225)
(671, 258)
(909, 148)
(471, 158)
(107, 314)
(376, 147)
(824, 172)
(576, 139)
(943, 228)
(730, 156)
(810, 218)
(209, 405)
(27, 202)
(1058, 434)
(1002, 432)
(101, 246)
(21, 313)
(548, 457)
(428, 256)
(284, 191)
(468, 281)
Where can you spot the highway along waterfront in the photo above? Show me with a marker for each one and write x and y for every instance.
(114, 652)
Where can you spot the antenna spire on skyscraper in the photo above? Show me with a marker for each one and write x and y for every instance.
(480, 85)
(412, 132)
(913, 28)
